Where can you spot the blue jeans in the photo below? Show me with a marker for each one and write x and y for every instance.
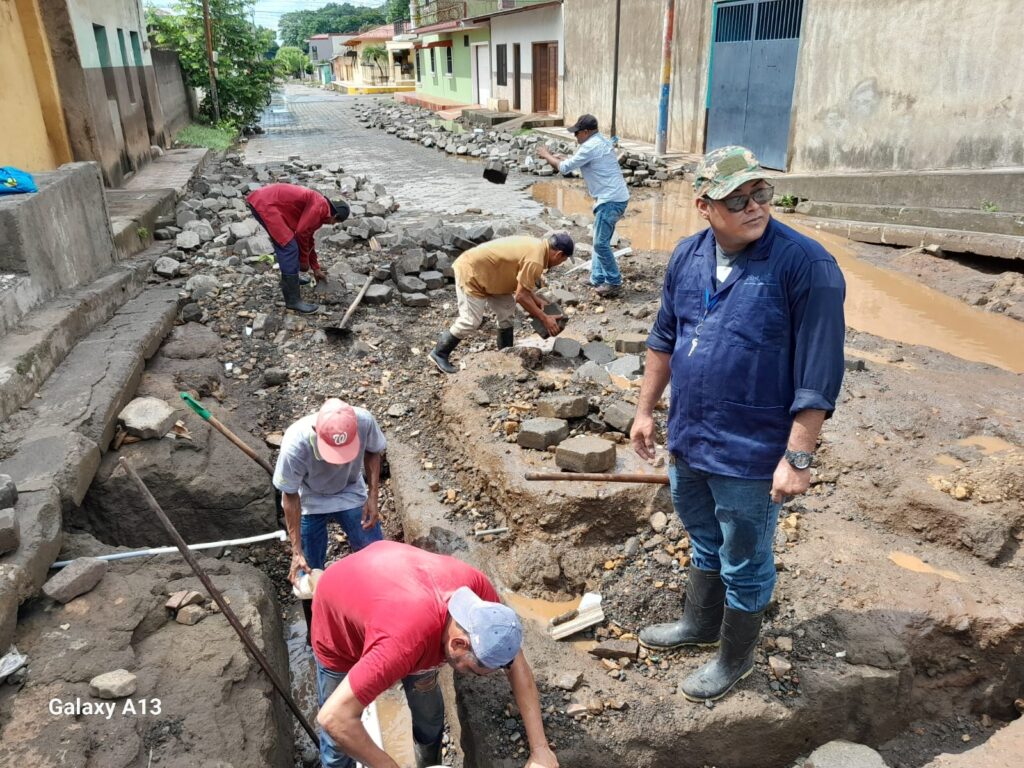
(422, 692)
(313, 531)
(603, 269)
(287, 255)
(731, 525)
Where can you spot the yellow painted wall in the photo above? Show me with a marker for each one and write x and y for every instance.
(29, 98)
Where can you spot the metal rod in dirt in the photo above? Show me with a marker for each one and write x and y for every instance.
(279, 535)
(219, 599)
(600, 477)
(489, 531)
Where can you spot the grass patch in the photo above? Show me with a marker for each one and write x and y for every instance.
(524, 132)
(211, 137)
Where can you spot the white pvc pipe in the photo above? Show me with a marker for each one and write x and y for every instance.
(279, 535)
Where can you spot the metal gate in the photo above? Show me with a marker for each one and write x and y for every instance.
(753, 70)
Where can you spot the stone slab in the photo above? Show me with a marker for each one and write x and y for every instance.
(10, 532)
(631, 343)
(585, 454)
(567, 348)
(41, 341)
(563, 406)
(8, 492)
(542, 432)
(619, 416)
(845, 754)
(148, 417)
(66, 461)
(74, 579)
(598, 352)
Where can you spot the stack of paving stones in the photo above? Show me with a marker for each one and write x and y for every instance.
(581, 424)
(219, 245)
(517, 151)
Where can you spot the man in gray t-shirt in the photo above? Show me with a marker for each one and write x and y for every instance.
(320, 475)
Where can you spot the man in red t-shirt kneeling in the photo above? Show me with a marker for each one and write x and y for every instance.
(393, 612)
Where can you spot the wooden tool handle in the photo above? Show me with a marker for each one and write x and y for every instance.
(355, 302)
(600, 477)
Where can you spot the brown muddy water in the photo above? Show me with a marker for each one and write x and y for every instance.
(879, 301)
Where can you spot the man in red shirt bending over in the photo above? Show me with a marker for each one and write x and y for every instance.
(291, 214)
(393, 612)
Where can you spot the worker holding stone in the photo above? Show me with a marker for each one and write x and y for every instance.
(320, 473)
(494, 277)
(391, 613)
(291, 215)
(750, 335)
(599, 165)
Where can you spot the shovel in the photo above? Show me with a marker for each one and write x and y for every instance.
(340, 332)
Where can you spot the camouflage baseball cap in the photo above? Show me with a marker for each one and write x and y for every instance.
(722, 170)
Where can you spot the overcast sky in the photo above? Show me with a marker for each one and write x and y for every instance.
(269, 11)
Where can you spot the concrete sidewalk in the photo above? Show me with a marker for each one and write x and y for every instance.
(150, 194)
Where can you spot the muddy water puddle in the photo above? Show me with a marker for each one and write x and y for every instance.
(542, 611)
(879, 301)
(917, 565)
(987, 444)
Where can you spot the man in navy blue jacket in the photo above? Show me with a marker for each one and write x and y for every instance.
(750, 336)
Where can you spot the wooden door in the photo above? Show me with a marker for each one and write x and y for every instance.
(517, 78)
(545, 77)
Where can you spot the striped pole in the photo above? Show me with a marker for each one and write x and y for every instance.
(666, 77)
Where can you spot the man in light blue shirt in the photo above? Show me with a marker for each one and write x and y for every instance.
(597, 162)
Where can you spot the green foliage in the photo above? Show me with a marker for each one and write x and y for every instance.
(786, 201)
(397, 10)
(376, 54)
(143, 233)
(244, 75)
(217, 138)
(296, 27)
(291, 61)
(989, 207)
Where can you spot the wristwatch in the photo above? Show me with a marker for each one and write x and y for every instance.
(799, 459)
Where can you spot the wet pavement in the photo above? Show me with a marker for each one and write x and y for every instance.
(321, 126)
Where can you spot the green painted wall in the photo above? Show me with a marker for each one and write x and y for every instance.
(459, 85)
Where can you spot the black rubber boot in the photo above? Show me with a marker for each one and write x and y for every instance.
(735, 659)
(445, 344)
(427, 754)
(292, 300)
(702, 615)
(505, 337)
(307, 611)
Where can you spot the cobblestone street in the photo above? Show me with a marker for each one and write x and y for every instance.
(321, 126)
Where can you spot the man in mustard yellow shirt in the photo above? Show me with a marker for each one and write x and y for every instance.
(494, 277)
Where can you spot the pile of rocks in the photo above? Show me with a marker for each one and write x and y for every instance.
(220, 246)
(517, 151)
(580, 423)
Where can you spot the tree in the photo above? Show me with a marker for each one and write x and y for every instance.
(296, 27)
(378, 55)
(291, 61)
(244, 76)
(397, 10)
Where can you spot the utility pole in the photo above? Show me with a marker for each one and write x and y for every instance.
(211, 61)
(615, 66)
(661, 144)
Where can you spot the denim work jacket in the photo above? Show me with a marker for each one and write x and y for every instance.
(771, 345)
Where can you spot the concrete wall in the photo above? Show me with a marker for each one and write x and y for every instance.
(175, 99)
(112, 113)
(589, 46)
(459, 85)
(36, 138)
(919, 84)
(541, 25)
(60, 236)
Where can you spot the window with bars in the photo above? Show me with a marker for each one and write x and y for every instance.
(733, 23)
(778, 20)
(419, 66)
(449, 61)
(501, 67)
(433, 65)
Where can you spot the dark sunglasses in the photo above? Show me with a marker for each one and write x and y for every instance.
(737, 203)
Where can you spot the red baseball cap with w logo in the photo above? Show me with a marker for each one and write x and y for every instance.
(337, 432)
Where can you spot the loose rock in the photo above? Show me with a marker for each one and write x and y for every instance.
(113, 685)
(75, 579)
(148, 418)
